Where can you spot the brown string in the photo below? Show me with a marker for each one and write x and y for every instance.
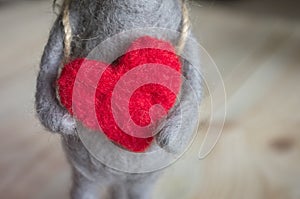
(67, 31)
(185, 27)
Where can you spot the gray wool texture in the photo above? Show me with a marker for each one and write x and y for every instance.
(93, 21)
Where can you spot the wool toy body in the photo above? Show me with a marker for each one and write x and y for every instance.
(93, 21)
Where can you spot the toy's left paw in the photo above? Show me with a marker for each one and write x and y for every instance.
(169, 142)
(179, 130)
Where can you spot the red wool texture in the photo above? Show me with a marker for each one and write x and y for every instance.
(87, 89)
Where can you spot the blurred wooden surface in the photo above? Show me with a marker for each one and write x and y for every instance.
(258, 153)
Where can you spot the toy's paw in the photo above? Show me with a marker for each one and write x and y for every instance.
(169, 142)
(67, 125)
(179, 128)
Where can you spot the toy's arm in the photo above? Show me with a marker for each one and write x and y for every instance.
(182, 121)
(51, 114)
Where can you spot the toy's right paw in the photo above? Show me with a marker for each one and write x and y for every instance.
(67, 125)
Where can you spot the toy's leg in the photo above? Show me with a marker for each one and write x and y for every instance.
(83, 188)
(118, 191)
(141, 187)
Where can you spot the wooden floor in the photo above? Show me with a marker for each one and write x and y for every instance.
(258, 155)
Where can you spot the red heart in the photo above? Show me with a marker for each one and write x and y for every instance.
(103, 96)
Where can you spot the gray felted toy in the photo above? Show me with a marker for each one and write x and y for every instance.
(99, 20)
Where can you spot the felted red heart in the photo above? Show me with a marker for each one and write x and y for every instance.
(120, 99)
